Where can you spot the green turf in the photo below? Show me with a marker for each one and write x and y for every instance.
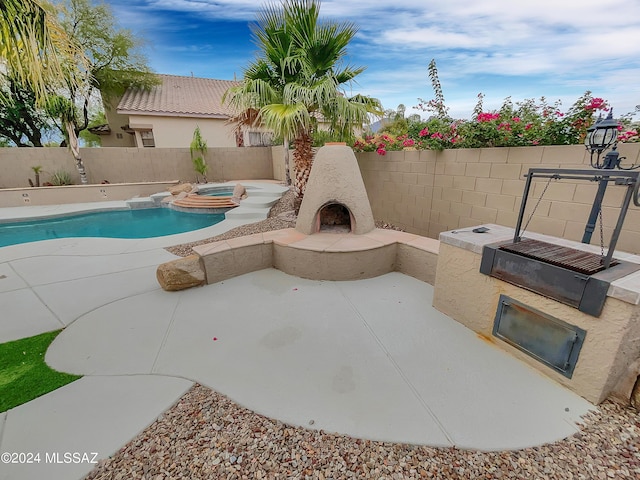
(23, 373)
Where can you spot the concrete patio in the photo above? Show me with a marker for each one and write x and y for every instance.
(369, 358)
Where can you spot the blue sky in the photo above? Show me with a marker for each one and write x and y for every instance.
(519, 48)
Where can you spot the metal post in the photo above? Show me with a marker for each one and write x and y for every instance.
(610, 162)
(523, 205)
(616, 232)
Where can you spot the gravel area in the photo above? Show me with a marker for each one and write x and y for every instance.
(207, 436)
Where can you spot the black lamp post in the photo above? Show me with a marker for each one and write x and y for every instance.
(600, 136)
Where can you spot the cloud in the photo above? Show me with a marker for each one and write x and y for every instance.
(553, 48)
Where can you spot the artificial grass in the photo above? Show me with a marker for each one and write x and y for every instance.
(23, 373)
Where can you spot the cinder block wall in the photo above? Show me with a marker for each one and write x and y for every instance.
(127, 165)
(429, 192)
(425, 192)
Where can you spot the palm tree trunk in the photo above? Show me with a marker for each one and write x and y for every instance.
(303, 159)
(287, 170)
(75, 150)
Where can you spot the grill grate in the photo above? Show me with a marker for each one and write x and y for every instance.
(569, 258)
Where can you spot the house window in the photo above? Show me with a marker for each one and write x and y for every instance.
(147, 138)
(260, 139)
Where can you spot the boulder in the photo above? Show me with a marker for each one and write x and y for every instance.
(181, 274)
(182, 187)
(239, 192)
(180, 196)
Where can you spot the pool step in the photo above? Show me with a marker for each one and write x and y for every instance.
(141, 202)
(203, 201)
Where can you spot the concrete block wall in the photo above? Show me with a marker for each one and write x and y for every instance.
(429, 192)
(130, 164)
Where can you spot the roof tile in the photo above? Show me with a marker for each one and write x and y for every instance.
(180, 96)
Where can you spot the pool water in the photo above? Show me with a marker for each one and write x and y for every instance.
(142, 223)
(216, 194)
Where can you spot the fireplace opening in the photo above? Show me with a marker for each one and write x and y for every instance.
(334, 217)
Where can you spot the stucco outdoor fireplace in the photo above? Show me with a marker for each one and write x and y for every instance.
(335, 199)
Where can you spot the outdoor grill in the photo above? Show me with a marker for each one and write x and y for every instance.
(569, 258)
(575, 277)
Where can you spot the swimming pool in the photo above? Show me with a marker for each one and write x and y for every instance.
(138, 223)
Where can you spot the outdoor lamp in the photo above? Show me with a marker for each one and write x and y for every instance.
(600, 136)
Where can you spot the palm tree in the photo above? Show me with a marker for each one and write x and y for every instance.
(34, 47)
(296, 81)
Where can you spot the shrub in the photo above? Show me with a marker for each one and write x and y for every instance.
(526, 123)
(61, 177)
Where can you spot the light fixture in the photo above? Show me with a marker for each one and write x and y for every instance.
(600, 136)
(603, 134)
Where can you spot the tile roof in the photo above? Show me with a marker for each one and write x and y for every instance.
(179, 96)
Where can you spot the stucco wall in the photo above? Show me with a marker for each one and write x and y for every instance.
(126, 165)
(177, 132)
(429, 192)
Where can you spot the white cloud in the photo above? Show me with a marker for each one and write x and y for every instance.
(556, 48)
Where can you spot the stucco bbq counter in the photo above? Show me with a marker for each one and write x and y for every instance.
(608, 348)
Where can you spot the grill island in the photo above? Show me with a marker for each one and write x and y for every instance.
(558, 305)
(571, 276)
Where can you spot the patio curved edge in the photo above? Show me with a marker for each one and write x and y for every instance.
(91, 418)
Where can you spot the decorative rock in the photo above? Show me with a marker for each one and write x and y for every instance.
(182, 187)
(239, 192)
(180, 196)
(181, 274)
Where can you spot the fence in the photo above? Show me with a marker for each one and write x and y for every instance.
(425, 192)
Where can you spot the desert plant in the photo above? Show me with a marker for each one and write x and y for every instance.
(198, 149)
(36, 171)
(61, 177)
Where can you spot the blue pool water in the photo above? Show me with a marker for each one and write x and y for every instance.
(217, 194)
(143, 223)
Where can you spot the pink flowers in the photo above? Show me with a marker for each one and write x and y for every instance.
(505, 126)
(424, 132)
(597, 104)
(408, 142)
(528, 126)
(381, 151)
(487, 117)
(437, 135)
(628, 135)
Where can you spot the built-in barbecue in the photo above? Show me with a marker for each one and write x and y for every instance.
(575, 277)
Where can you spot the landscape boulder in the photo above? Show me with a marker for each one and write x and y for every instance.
(181, 274)
(239, 192)
(182, 187)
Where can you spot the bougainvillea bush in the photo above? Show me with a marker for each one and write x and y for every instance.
(524, 124)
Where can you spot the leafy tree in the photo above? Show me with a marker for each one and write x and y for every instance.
(114, 60)
(91, 139)
(21, 122)
(297, 78)
(34, 47)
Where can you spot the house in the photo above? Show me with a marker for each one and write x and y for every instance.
(167, 115)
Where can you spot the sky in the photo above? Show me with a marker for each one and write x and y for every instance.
(523, 49)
